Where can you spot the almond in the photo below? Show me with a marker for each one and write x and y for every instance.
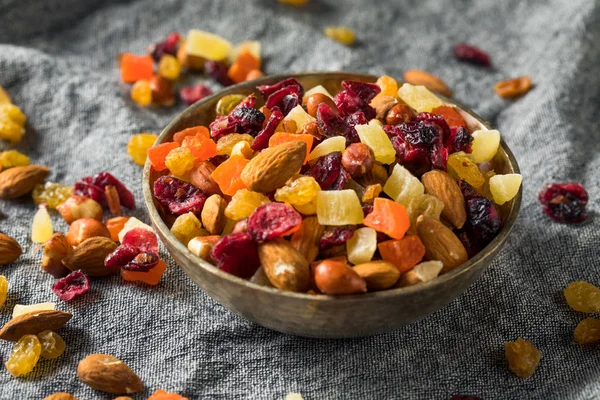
(200, 176)
(10, 250)
(379, 275)
(271, 168)
(306, 239)
(18, 181)
(55, 250)
(60, 396)
(89, 256)
(431, 82)
(33, 323)
(213, 214)
(108, 374)
(441, 185)
(286, 267)
(441, 243)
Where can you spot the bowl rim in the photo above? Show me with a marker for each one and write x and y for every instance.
(160, 225)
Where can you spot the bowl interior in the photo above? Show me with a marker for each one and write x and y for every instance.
(203, 113)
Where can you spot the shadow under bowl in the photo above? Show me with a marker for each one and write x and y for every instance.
(321, 315)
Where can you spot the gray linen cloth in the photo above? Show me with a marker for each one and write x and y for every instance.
(57, 60)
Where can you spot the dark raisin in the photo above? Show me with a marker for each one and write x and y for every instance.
(177, 196)
(261, 141)
(336, 237)
(483, 220)
(460, 139)
(71, 286)
(218, 71)
(471, 54)
(237, 254)
(250, 119)
(564, 202)
(272, 220)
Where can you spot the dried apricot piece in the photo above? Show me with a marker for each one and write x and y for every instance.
(451, 116)
(284, 137)
(388, 217)
(511, 88)
(404, 253)
(243, 64)
(193, 131)
(151, 277)
(116, 225)
(228, 175)
(202, 147)
(134, 68)
(522, 356)
(158, 155)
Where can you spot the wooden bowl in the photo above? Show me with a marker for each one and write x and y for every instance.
(321, 315)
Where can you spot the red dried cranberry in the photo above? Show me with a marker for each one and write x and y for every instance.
(356, 97)
(357, 118)
(438, 156)
(272, 220)
(250, 119)
(143, 262)
(177, 196)
(367, 209)
(192, 94)
(284, 99)
(333, 125)
(248, 102)
(143, 239)
(168, 46)
(459, 140)
(218, 160)
(268, 90)
(327, 169)
(222, 126)
(121, 256)
(104, 179)
(218, 71)
(90, 191)
(261, 141)
(348, 102)
(237, 254)
(73, 285)
(365, 91)
(436, 121)
(564, 202)
(341, 181)
(471, 54)
(336, 236)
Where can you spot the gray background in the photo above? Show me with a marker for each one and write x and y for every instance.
(57, 60)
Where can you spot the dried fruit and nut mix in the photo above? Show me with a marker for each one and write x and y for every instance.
(380, 186)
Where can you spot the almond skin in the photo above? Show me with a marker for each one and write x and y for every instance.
(286, 267)
(200, 176)
(306, 239)
(10, 250)
(213, 214)
(271, 168)
(33, 323)
(379, 275)
(60, 396)
(18, 181)
(441, 243)
(108, 374)
(431, 82)
(441, 185)
(89, 257)
(55, 250)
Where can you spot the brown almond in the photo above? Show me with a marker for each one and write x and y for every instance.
(441, 243)
(379, 275)
(441, 185)
(306, 239)
(18, 181)
(108, 374)
(89, 257)
(213, 214)
(55, 250)
(10, 250)
(286, 267)
(431, 82)
(271, 168)
(60, 396)
(33, 323)
(382, 104)
(200, 176)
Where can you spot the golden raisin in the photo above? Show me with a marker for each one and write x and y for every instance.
(587, 331)
(583, 296)
(522, 356)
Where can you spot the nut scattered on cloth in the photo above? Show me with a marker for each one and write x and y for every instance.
(58, 63)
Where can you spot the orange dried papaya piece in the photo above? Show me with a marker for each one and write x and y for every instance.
(388, 217)
(135, 68)
(201, 147)
(228, 175)
(451, 116)
(284, 137)
(243, 64)
(115, 225)
(158, 154)
(193, 131)
(404, 253)
(164, 395)
(151, 277)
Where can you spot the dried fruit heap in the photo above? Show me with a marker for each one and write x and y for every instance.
(337, 194)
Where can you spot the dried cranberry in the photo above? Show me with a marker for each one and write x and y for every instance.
(222, 126)
(237, 254)
(367, 209)
(326, 170)
(218, 160)
(341, 181)
(261, 141)
(143, 262)
(192, 94)
(356, 97)
(436, 121)
(168, 46)
(90, 191)
(471, 54)
(333, 125)
(336, 237)
(357, 118)
(284, 99)
(365, 91)
(143, 239)
(419, 144)
(248, 102)
(177, 196)
(459, 140)
(104, 179)
(121, 256)
(218, 71)
(73, 285)
(268, 90)
(250, 119)
(272, 220)
(382, 237)
(468, 191)
(348, 102)
(564, 202)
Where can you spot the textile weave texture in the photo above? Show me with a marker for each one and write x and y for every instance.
(58, 62)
